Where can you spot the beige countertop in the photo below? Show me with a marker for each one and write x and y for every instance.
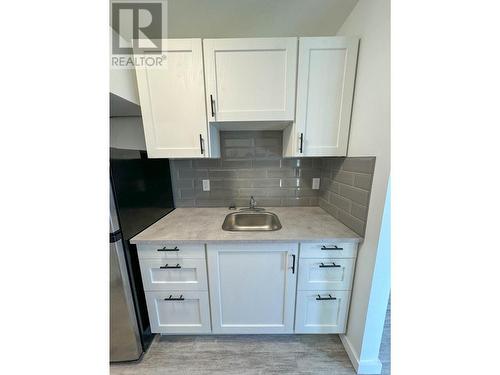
(204, 225)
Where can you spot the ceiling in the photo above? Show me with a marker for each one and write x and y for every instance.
(256, 18)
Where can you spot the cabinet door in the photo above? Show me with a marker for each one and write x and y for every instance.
(325, 85)
(321, 311)
(252, 287)
(173, 102)
(250, 79)
(178, 312)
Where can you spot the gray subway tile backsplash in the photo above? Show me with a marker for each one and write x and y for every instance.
(252, 164)
(346, 193)
(355, 194)
(362, 165)
(355, 224)
(343, 177)
(266, 163)
(204, 163)
(236, 164)
(340, 202)
(363, 181)
(359, 211)
(282, 173)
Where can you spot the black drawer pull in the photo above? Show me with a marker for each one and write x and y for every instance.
(329, 298)
(201, 145)
(335, 247)
(165, 249)
(167, 266)
(212, 106)
(293, 263)
(323, 265)
(181, 298)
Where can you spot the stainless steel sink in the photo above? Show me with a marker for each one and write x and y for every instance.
(251, 221)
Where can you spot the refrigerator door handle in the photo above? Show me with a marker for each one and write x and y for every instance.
(115, 236)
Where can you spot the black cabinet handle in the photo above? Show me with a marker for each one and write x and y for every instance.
(323, 265)
(212, 105)
(329, 298)
(335, 247)
(165, 249)
(167, 266)
(170, 298)
(201, 145)
(293, 263)
(301, 142)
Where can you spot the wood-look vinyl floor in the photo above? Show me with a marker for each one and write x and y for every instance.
(251, 354)
(242, 354)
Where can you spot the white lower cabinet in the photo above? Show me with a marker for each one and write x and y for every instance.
(328, 250)
(321, 311)
(248, 288)
(325, 274)
(174, 274)
(252, 287)
(171, 251)
(176, 288)
(178, 312)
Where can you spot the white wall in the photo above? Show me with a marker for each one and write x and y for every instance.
(255, 18)
(123, 82)
(369, 136)
(127, 133)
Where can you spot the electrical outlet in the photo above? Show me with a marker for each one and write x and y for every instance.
(206, 185)
(315, 183)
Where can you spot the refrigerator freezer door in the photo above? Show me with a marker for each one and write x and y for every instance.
(125, 342)
(114, 224)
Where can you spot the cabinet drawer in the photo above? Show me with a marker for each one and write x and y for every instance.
(321, 311)
(178, 312)
(325, 274)
(174, 274)
(171, 251)
(328, 250)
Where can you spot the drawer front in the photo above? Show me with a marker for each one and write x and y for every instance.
(174, 274)
(171, 251)
(325, 274)
(178, 312)
(328, 250)
(321, 311)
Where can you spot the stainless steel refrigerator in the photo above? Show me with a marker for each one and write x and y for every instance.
(140, 195)
(125, 340)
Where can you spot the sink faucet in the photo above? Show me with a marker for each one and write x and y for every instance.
(252, 203)
(252, 206)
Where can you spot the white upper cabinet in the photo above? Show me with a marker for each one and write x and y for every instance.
(325, 86)
(250, 79)
(173, 102)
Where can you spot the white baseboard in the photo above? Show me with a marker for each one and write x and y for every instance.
(363, 367)
(373, 366)
(353, 356)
